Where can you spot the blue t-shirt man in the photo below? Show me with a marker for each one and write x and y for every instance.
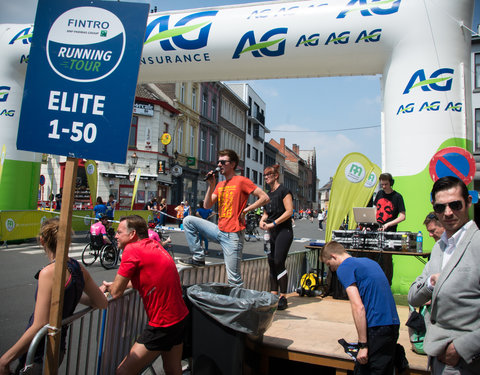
(373, 309)
(373, 287)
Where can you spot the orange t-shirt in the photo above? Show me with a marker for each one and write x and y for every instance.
(232, 199)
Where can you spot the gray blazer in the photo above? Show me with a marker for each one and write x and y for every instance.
(455, 312)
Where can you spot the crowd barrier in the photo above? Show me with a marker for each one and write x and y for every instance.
(99, 339)
(22, 225)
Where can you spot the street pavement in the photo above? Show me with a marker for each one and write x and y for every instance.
(20, 262)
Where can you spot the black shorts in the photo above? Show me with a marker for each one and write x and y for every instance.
(162, 338)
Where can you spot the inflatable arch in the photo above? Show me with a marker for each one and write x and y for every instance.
(420, 48)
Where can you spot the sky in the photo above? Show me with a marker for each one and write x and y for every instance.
(321, 113)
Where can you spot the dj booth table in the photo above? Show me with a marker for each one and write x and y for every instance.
(382, 257)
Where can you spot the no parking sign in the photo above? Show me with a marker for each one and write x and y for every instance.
(453, 161)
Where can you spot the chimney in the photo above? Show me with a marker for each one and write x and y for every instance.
(295, 149)
(282, 145)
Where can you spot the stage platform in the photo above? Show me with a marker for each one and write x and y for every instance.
(308, 332)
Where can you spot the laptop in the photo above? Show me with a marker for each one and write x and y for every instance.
(365, 215)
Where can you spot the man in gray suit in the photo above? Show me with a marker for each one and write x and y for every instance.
(451, 281)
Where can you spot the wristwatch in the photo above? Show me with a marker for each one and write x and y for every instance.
(362, 345)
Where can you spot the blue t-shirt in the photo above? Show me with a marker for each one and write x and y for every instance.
(204, 212)
(100, 209)
(373, 287)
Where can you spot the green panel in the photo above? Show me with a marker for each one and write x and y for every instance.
(416, 194)
(19, 187)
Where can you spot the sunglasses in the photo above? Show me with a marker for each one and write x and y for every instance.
(223, 162)
(440, 208)
(268, 174)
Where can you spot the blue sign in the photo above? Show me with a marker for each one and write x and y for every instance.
(81, 78)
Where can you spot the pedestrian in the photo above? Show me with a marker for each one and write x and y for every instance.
(320, 219)
(180, 210)
(232, 196)
(100, 208)
(373, 309)
(147, 267)
(276, 220)
(450, 280)
(110, 206)
(78, 281)
(206, 214)
(163, 211)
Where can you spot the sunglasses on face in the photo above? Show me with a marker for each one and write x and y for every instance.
(268, 174)
(440, 208)
(223, 162)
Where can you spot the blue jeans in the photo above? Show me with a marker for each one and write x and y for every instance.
(231, 243)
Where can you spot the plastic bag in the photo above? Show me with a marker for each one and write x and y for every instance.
(244, 310)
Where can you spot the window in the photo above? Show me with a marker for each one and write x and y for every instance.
(132, 137)
(255, 177)
(260, 178)
(180, 138)
(249, 127)
(205, 104)
(255, 154)
(248, 173)
(248, 151)
(261, 157)
(477, 71)
(203, 145)
(194, 98)
(249, 106)
(214, 110)
(182, 92)
(213, 152)
(477, 129)
(192, 140)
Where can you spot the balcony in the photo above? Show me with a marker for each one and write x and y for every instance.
(259, 132)
(257, 117)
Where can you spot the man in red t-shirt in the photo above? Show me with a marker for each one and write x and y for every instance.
(232, 196)
(147, 267)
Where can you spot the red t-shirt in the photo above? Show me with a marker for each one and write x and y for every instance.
(154, 274)
(232, 199)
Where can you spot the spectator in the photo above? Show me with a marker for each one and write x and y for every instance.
(147, 267)
(151, 205)
(276, 219)
(232, 195)
(186, 209)
(78, 281)
(180, 209)
(320, 219)
(100, 208)
(163, 211)
(58, 200)
(110, 206)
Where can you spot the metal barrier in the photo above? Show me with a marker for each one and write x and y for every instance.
(98, 340)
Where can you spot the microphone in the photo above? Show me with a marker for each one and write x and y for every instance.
(216, 170)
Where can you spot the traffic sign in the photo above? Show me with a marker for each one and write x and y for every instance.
(81, 78)
(453, 161)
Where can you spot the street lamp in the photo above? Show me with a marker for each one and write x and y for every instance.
(131, 167)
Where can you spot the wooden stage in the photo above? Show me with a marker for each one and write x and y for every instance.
(308, 332)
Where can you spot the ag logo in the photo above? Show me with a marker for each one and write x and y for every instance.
(437, 80)
(175, 36)
(371, 181)
(265, 47)
(85, 44)
(10, 224)
(355, 172)
(25, 35)
(4, 93)
(369, 8)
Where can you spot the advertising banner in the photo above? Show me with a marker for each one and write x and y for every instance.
(135, 186)
(348, 188)
(80, 82)
(92, 177)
